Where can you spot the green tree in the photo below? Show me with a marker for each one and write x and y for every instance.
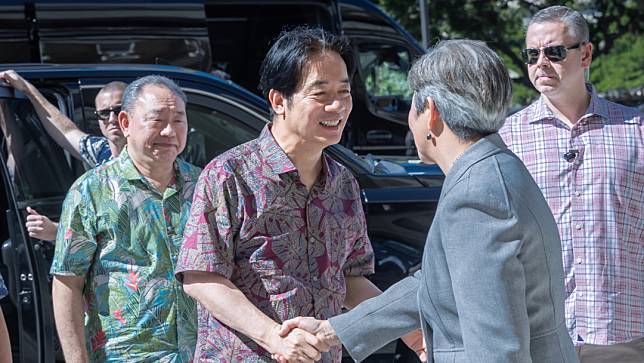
(502, 25)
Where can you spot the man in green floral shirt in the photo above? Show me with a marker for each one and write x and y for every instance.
(115, 297)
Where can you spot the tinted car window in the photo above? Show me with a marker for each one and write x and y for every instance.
(212, 132)
(37, 167)
(384, 68)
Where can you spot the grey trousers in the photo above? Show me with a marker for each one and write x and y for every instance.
(630, 352)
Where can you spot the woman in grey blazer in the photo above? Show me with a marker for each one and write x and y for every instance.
(491, 285)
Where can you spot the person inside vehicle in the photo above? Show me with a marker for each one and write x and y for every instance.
(93, 150)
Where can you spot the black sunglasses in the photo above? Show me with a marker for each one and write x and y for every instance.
(104, 114)
(555, 53)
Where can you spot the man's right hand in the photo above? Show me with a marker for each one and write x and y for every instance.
(14, 80)
(40, 227)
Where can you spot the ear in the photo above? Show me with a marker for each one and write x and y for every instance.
(434, 122)
(278, 102)
(124, 123)
(587, 55)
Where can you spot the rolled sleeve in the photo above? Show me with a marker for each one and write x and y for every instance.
(208, 244)
(76, 236)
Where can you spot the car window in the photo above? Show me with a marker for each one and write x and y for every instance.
(37, 167)
(211, 131)
(385, 68)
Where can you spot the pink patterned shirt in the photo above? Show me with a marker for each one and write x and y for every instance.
(288, 250)
(596, 199)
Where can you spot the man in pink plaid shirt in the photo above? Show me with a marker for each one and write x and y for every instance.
(587, 156)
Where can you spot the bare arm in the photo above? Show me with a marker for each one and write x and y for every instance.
(231, 307)
(5, 344)
(359, 289)
(67, 295)
(57, 125)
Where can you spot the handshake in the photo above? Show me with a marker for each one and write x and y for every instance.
(304, 339)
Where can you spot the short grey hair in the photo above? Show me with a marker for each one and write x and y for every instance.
(576, 25)
(468, 83)
(133, 91)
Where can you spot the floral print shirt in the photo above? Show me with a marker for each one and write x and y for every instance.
(95, 150)
(123, 236)
(3, 288)
(287, 249)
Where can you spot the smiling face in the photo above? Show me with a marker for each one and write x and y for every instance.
(557, 79)
(110, 127)
(156, 127)
(317, 112)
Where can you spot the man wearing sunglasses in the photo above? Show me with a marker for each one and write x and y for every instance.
(93, 150)
(585, 153)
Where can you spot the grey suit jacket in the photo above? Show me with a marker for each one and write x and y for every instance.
(491, 286)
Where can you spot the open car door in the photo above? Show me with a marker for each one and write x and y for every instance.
(34, 173)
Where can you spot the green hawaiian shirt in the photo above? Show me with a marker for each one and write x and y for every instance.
(123, 236)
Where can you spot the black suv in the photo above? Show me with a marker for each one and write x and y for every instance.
(37, 172)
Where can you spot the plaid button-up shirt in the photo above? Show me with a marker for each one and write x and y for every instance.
(596, 198)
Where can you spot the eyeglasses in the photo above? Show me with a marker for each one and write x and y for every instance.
(555, 53)
(104, 114)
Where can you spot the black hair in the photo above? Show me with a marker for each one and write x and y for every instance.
(285, 62)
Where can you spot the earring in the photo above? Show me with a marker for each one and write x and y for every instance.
(429, 136)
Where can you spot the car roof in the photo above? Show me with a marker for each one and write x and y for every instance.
(47, 70)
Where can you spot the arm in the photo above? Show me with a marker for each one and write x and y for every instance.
(231, 307)
(57, 125)
(67, 296)
(359, 289)
(371, 324)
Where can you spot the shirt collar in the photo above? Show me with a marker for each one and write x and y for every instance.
(596, 107)
(130, 172)
(272, 153)
(486, 146)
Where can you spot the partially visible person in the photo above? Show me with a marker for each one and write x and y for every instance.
(491, 284)
(5, 343)
(40, 226)
(119, 236)
(586, 155)
(277, 228)
(94, 150)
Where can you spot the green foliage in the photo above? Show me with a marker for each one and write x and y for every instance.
(501, 24)
(623, 67)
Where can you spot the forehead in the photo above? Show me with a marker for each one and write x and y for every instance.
(156, 98)
(327, 66)
(549, 33)
(109, 98)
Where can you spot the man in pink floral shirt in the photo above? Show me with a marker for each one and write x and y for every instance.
(277, 228)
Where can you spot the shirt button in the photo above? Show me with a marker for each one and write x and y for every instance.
(578, 226)
(580, 293)
(579, 260)
(314, 278)
(577, 194)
